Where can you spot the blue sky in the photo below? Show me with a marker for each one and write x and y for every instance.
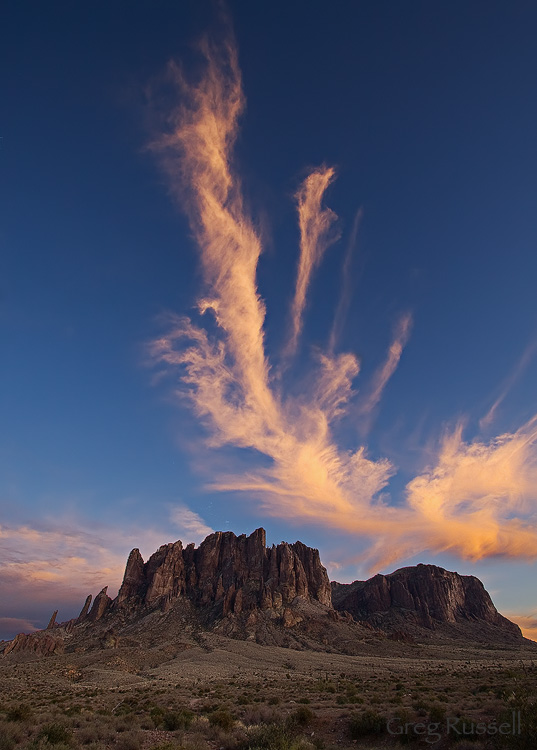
(427, 114)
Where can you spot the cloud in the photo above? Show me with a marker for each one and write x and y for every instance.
(10, 625)
(386, 370)
(228, 375)
(315, 237)
(191, 526)
(480, 498)
(476, 499)
(346, 289)
(527, 623)
(509, 382)
(57, 566)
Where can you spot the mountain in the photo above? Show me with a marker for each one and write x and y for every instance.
(226, 573)
(280, 595)
(423, 596)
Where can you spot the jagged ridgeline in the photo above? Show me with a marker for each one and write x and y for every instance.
(239, 587)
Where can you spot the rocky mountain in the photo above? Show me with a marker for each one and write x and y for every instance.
(425, 596)
(239, 587)
(226, 573)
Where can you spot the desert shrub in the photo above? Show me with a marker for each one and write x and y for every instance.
(300, 717)
(437, 713)
(43, 744)
(129, 741)
(229, 739)
(7, 740)
(88, 735)
(465, 724)
(269, 737)
(55, 734)
(22, 712)
(260, 715)
(523, 704)
(73, 710)
(221, 718)
(273, 700)
(123, 709)
(173, 720)
(367, 723)
(157, 715)
(195, 742)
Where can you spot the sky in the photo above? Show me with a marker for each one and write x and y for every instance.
(267, 264)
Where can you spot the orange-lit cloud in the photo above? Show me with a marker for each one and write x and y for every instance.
(527, 624)
(58, 565)
(381, 377)
(56, 560)
(477, 499)
(315, 224)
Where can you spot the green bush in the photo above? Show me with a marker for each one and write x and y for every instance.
(173, 720)
(157, 715)
(367, 723)
(222, 718)
(55, 734)
(270, 737)
(301, 716)
(524, 702)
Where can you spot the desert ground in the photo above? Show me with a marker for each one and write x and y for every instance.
(204, 691)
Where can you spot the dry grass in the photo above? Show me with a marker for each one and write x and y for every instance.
(242, 696)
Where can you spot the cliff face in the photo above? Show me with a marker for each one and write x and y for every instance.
(236, 573)
(424, 595)
(237, 585)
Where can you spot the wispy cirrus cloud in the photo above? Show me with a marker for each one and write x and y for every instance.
(228, 375)
(383, 374)
(476, 499)
(191, 526)
(346, 288)
(316, 235)
(516, 373)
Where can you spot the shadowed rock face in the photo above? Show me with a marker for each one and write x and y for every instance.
(40, 643)
(236, 573)
(424, 595)
(237, 584)
(101, 603)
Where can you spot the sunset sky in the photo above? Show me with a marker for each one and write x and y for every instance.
(272, 266)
